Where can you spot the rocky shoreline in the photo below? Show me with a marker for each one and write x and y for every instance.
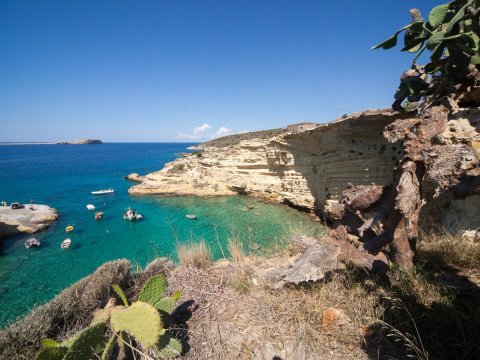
(30, 219)
(308, 169)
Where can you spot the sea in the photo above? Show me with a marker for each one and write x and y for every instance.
(63, 176)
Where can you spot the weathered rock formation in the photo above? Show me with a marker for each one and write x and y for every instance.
(310, 168)
(321, 258)
(25, 220)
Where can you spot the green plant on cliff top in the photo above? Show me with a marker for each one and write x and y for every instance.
(143, 320)
(451, 34)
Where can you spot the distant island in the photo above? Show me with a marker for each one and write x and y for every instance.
(80, 142)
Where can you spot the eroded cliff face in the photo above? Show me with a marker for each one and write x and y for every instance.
(302, 169)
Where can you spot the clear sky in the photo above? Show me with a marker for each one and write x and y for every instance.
(177, 70)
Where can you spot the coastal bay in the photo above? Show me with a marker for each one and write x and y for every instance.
(63, 178)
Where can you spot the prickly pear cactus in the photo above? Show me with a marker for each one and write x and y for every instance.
(84, 344)
(141, 320)
(118, 290)
(52, 353)
(49, 343)
(108, 351)
(168, 348)
(168, 304)
(452, 36)
(153, 290)
(101, 316)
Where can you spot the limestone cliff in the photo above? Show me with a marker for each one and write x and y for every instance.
(302, 169)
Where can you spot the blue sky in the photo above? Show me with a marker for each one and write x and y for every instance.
(177, 70)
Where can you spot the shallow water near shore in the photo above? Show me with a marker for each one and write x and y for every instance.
(62, 176)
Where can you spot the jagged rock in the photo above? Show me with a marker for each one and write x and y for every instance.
(322, 257)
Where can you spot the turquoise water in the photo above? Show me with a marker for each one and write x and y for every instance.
(62, 176)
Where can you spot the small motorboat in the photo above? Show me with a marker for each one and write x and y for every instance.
(98, 215)
(131, 214)
(31, 243)
(69, 228)
(90, 207)
(66, 243)
(103, 192)
(191, 216)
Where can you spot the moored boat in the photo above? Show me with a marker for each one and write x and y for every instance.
(66, 243)
(98, 215)
(103, 192)
(131, 214)
(31, 243)
(69, 228)
(191, 216)
(90, 207)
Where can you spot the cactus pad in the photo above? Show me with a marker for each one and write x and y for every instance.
(141, 320)
(153, 290)
(118, 290)
(52, 353)
(171, 349)
(49, 343)
(84, 344)
(102, 315)
(108, 351)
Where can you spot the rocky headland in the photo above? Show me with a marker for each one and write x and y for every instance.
(30, 219)
(81, 142)
(309, 169)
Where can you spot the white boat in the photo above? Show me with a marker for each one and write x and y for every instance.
(66, 243)
(90, 207)
(103, 192)
(191, 216)
(131, 214)
(31, 242)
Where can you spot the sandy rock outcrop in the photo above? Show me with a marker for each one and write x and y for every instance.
(30, 219)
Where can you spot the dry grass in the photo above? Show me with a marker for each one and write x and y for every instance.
(196, 255)
(235, 247)
(450, 249)
(262, 323)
